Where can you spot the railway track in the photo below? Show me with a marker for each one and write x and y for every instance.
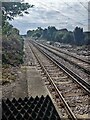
(73, 97)
(73, 67)
(80, 63)
(80, 79)
(69, 54)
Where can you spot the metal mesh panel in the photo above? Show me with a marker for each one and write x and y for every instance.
(29, 109)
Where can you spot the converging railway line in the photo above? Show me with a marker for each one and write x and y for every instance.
(70, 92)
(77, 65)
(85, 60)
(79, 62)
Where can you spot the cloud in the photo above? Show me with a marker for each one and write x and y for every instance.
(53, 13)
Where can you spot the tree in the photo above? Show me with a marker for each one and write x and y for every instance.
(51, 33)
(58, 37)
(44, 34)
(12, 9)
(12, 42)
(29, 33)
(68, 38)
(35, 33)
(87, 38)
(79, 36)
(6, 28)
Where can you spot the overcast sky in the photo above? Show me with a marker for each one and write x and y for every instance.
(66, 14)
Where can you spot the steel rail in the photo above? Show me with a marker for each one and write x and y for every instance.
(57, 49)
(68, 109)
(83, 84)
(81, 67)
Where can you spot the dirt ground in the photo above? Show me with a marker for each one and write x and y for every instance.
(28, 81)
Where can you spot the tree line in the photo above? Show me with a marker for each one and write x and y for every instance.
(12, 41)
(76, 37)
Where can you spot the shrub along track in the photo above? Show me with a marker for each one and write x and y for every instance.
(72, 96)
